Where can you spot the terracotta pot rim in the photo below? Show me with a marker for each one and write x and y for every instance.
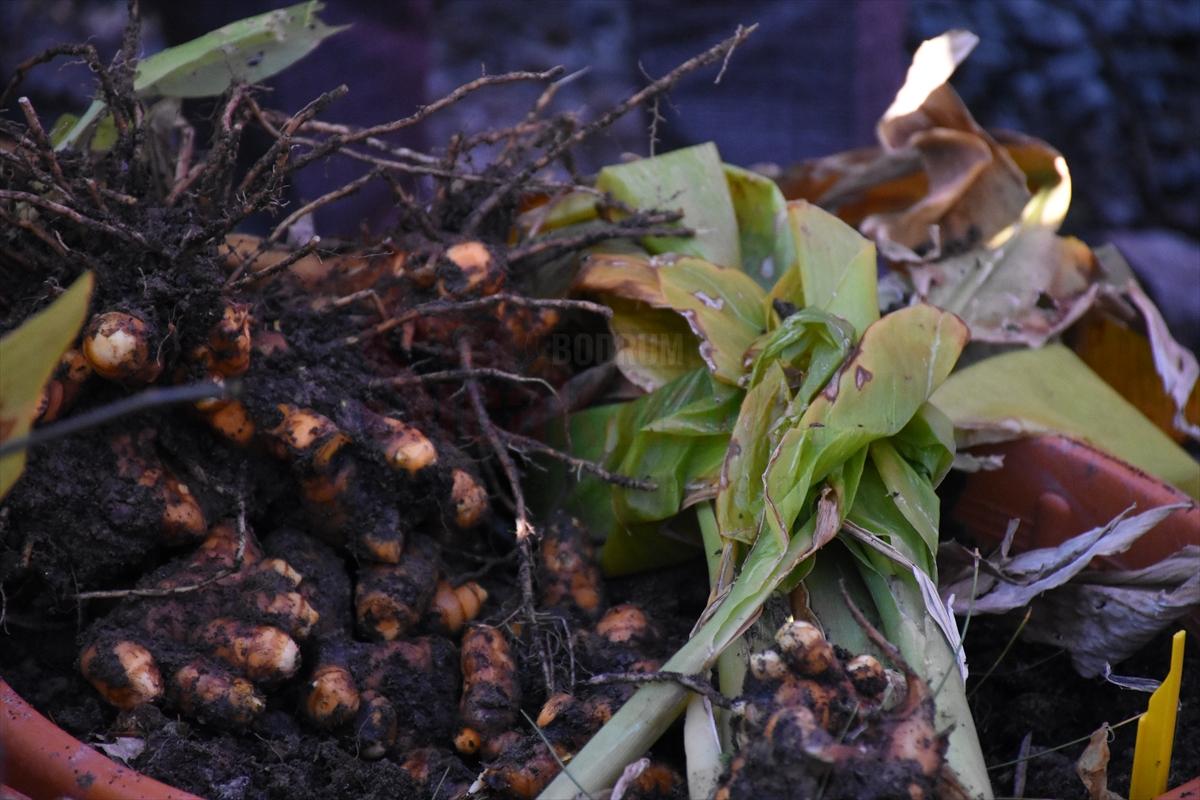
(1189, 790)
(42, 760)
(1059, 487)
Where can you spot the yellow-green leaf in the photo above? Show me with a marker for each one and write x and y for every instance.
(836, 266)
(691, 180)
(724, 310)
(739, 499)
(247, 51)
(762, 220)
(1050, 390)
(902, 358)
(28, 356)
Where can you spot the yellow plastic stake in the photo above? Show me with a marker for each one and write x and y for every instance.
(1156, 731)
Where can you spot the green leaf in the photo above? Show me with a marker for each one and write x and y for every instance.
(878, 511)
(713, 413)
(811, 342)
(902, 358)
(815, 436)
(740, 498)
(247, 51)
(676, 437)
(573, 208)
(927, 442)
(836, 266)
(691, 180)
(673, 461)
(61, 126)
(1050, 390)
(630, 549)
(29, 355)
(65, 137)
(592, 434)
(762, 220)
(911, 494)
(104, 136)
(653, 346)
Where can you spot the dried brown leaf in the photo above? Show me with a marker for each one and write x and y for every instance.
(1092, 766)
(1104, 617)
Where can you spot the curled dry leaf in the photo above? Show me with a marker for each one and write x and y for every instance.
(1006, 583)
(975, 189)
(951, 204)
(1175, 364)
(1104, 617)
(1092, 766)
(1099, 616)
(1025, 283)
(939, 184)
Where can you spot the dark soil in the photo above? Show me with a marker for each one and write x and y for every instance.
(1035, 690)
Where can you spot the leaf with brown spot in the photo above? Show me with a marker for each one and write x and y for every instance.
(724, 310)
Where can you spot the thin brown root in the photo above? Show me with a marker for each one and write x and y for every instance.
(339, 140)
(237, 280)
(520, 443)
(456, 306)
(524, 528)
(119, 231)
(325, 199)
(458, 375)
(658, 87)
(47, 149)
(91, 57)
(238, 556)
(277, 155)
(554, 246)
(690, 682)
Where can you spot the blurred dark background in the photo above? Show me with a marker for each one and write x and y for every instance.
(1113, 84)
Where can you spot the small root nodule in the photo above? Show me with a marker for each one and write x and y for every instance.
(121, 347)
(212, 693)
(491, 692)
(470, 499)
(124, 673)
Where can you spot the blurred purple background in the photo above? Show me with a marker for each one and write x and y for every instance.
(1113, 84)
